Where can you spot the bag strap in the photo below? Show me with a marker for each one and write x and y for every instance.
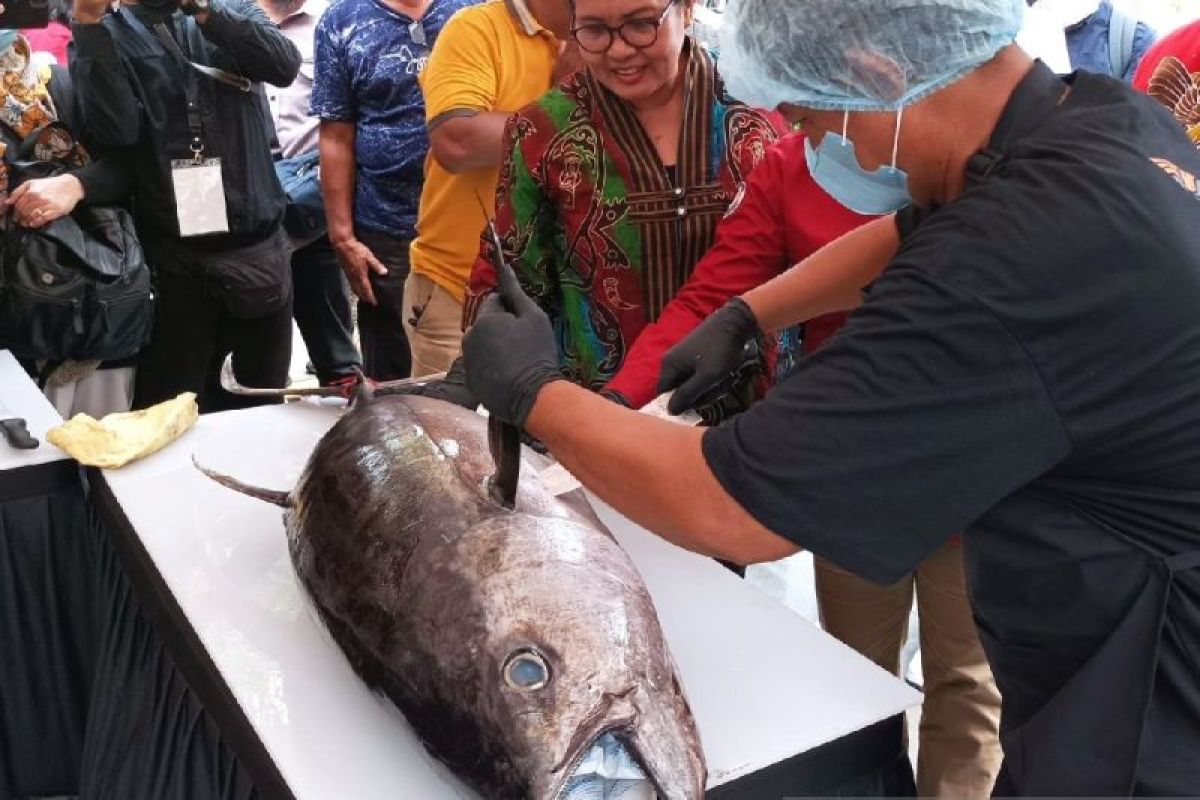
(238, 82)
(1122, 31)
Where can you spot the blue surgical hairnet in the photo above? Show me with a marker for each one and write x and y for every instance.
(858, 55)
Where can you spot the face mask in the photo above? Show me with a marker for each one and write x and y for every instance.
(6, 40)
(835, 167)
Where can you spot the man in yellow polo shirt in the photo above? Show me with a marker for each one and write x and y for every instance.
(490, 61)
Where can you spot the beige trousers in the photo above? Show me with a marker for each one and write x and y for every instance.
(433, 324)
(959, 753)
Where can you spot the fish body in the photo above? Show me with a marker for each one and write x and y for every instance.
(512, 639)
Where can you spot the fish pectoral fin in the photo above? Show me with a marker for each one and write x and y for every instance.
(504, 443)
(281, 499)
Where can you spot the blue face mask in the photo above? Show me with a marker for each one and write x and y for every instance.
(6, 39)
(834, 166)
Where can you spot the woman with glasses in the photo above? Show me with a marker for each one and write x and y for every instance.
(617, 178)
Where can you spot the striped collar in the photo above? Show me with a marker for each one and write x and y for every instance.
(524, 17)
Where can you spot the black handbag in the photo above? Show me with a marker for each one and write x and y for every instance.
(77, 288)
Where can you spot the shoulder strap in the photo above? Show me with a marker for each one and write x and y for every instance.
(1122, 31)
(164, 37)
(238, 82)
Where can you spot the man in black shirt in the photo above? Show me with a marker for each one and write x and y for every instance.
(1026, 370)
(167, 84)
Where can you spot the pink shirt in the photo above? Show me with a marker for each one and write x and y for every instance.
(52, 39)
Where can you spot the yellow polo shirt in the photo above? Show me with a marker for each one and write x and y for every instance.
(490, 57)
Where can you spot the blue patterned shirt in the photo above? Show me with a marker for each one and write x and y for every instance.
(367, 61)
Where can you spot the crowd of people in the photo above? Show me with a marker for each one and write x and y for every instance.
(284, 158)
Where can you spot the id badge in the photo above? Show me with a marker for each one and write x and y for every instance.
(199, 196)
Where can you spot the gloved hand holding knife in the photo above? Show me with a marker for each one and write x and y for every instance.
(510, 352)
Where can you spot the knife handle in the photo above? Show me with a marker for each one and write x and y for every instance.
(17, 435)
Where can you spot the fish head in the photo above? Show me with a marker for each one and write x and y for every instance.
(556, 648)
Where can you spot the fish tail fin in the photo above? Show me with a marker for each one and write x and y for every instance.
(281, 499)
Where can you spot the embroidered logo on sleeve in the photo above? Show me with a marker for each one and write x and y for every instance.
(1184, 178)
(737, 201)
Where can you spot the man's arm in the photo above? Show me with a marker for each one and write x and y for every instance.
(467, 140)
(831, 279)
(651, 471)
(109, 111)
(243, 31)
(461, 83)
(338, 169)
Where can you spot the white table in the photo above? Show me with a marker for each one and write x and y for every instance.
(764, 684)
(21, 397)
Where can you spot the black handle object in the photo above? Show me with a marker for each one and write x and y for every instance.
(17, 435)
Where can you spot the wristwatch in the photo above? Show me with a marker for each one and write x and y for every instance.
(194, 7)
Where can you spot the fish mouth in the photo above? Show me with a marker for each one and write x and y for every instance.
(608, 768)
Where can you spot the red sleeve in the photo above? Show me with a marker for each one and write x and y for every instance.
(1183, 44)
(750, 248)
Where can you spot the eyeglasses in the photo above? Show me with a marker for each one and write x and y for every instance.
(596, 38)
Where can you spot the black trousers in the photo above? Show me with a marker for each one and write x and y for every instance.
(192, 336)
(321, 307)
(386, 355)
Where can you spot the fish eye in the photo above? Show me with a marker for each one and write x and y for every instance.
(526, 671)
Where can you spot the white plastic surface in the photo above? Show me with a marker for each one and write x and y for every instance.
(19, 397)
(764, 683)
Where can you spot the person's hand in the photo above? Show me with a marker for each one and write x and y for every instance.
(510, 352)
(358, 262)
(451, 389)
(89, 11)
(704, 360)
(39, 202)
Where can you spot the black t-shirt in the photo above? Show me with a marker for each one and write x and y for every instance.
(1026, 371)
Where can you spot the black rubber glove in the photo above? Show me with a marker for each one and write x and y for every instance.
(452, 388)
(701, 366)
(510, 352)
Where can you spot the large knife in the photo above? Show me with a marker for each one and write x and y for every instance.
(504, 441)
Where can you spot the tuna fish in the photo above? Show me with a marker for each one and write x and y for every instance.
(514, 633)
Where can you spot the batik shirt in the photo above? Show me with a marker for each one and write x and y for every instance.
(368, 58)
(600, 233)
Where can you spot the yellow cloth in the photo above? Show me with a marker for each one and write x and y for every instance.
(117, 439)
(490, 57)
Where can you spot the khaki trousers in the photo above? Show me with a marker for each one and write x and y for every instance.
(959, 753)
(433, 322)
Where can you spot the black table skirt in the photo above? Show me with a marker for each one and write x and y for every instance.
(48, 635)
(93, 702)
(107, 693)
